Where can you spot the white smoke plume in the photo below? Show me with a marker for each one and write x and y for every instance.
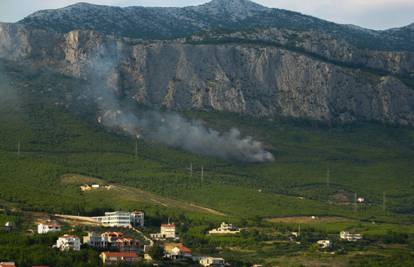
(167, 128)
(176, 131)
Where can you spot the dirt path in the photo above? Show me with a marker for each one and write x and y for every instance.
(215, 212)
(308, 219)
(134, 194)
(77, 220)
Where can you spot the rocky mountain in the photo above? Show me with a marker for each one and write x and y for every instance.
(226, 55)
(167, 23)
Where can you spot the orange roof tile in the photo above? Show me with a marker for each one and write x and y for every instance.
(121, 254)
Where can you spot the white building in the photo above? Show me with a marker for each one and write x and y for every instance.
(167, 231)
(225, 229)
(122, 219)
(68, 242)
(361, 200)
(212, 262)
(44, 228)
(344, 235)
(8, 226)
(95, 240)
(324, 243)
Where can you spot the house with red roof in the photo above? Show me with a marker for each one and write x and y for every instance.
(176, 250)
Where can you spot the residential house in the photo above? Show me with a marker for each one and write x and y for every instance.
(111, 237)
(177, 250)
(324, 243)
(225, 229)
(118, 257)
(7, 264)
(167, 231)
(212, 262)
(49, 227)
(8, 226)
(95, 240)
(127, 244)
(85, 188)
(137, 219)
(115, 240)
(344, 235)
(361, 200)
(68, 242)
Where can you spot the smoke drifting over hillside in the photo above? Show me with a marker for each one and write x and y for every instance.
(167, 128)
(176, 131)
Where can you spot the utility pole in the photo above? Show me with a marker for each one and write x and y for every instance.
(191, 170)
(202, 174)
(384, 201)
(18, 148)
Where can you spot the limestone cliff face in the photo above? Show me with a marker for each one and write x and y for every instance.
(258, 80)
(320, 44)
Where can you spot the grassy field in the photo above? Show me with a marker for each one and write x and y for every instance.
(317, 171)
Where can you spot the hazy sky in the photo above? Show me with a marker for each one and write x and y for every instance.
(374, 14)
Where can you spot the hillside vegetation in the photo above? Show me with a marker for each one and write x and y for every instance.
(316, 172)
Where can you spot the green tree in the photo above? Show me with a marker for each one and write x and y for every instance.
(156, 252)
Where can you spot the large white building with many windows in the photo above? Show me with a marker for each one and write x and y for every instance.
(122, 219)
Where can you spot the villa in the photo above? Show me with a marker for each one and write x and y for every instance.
(44, 228)
(68, 242)
(225, 229)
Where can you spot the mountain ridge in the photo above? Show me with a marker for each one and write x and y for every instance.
(170, 22)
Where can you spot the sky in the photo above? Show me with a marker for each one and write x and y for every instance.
(373, 14)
